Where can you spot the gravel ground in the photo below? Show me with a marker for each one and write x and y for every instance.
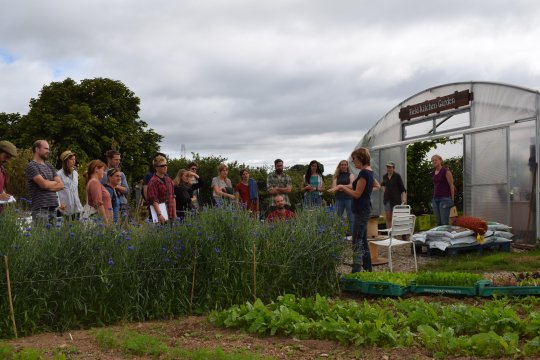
(402, 260)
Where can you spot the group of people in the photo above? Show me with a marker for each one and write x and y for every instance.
(55, 193)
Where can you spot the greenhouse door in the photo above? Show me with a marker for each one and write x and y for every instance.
(485, 178)
(500, 177)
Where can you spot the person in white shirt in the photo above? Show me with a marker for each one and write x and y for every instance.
(70, 204)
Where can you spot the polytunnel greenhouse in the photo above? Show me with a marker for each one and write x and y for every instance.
(498, 125)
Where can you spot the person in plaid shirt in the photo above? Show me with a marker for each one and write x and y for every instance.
(161, 189)
(279, 183)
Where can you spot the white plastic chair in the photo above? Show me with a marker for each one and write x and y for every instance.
(401, 225)
(398, 210)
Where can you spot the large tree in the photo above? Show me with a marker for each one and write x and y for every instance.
(90, 118)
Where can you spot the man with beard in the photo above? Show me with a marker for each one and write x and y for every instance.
(7, 151)
(280, 213)
(43, 183)
(279, 183)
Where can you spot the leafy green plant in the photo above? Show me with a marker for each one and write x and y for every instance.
(447, 279)
(494, 329)
(401, 279)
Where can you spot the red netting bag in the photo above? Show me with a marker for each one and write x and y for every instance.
(475, 224)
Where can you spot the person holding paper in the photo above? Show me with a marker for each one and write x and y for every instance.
(7, 151)
(160, 193)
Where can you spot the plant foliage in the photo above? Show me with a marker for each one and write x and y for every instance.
(86, 274)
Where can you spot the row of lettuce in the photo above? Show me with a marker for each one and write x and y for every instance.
(79, 275)
(501, 327)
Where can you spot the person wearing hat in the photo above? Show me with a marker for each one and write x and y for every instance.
(7, 151)
(70, 204)
(394, 191)
(43, 183)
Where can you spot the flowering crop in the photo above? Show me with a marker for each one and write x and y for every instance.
(85, 274)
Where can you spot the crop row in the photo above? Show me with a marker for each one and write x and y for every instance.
(81, 275)
(493, 329)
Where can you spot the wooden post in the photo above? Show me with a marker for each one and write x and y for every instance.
(254, 273)
(12, 312)
(192, 287)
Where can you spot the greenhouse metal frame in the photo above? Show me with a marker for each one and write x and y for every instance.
(499, 126)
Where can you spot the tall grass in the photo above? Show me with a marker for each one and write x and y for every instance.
(86, 274)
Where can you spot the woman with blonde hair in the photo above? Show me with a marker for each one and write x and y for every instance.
(97, 197)
(343, 201)
(183, 191)
(360, 191)
(222, 186)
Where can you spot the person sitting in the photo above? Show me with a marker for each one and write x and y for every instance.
(280, 213)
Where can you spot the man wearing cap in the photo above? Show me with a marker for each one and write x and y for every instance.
(43, 183)
(7, 151)
(394, 191)
(70, 204)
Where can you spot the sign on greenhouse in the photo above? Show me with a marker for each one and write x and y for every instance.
(441, 103)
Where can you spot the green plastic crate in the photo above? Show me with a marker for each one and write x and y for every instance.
(444, 290)
(373, 287)
(488, 289)
(349, 284)
(423, 222)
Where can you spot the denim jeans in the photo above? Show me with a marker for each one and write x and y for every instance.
(361, 254)
(345, 205)
(312, 199)
(441, 209)
(44, 216)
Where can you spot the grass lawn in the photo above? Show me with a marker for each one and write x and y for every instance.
(489, 262)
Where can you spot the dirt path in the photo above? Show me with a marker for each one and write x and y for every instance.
(196, 332)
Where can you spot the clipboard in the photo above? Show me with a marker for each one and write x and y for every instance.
(162, 209)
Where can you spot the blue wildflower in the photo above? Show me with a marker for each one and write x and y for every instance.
(131, 248)
(71, 234)
(217, 250)
(128, 238)
(110, 262)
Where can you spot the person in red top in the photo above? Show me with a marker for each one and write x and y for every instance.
(161, 190)
(96, 195)
(246, 194)
(281, 213)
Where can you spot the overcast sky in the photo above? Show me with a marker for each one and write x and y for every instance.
(255, 80)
